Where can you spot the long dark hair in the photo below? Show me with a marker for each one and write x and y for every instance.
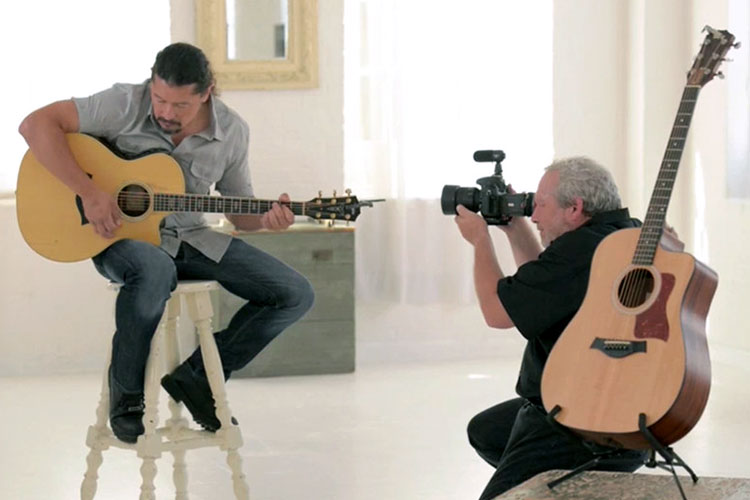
(184, 64)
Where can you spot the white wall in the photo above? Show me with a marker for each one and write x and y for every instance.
(727, 222)
(619, 73)
(57, 318)
(620, 68)
(53, 317)
(296, 136)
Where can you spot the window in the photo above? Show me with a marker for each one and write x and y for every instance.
(428, 83)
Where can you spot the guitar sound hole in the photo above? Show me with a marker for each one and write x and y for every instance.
(133, 200)
(636, 287)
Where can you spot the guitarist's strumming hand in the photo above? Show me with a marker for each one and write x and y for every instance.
(279, 217)
(102, 212)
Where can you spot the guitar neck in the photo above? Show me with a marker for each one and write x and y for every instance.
(164, 202)
(653, 224)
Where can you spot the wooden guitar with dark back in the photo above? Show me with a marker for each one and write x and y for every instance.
(638, 345)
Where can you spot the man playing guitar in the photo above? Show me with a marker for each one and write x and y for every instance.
(175, 111)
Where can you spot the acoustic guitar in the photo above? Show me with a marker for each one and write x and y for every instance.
(637, 346)
(147, 189)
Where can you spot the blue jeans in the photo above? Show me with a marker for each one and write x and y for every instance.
(277, 296)
(515, 438)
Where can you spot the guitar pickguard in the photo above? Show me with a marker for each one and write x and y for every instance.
(79, 205)
(652, 323)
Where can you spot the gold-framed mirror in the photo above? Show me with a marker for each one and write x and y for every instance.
(286, 58)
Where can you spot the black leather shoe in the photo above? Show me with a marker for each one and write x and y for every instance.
(125, 412)
(185, 386)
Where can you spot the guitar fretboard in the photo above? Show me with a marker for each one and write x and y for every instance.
(653, 225)
(220, 204)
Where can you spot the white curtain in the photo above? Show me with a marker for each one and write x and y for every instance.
(427, 84)
(738, 175)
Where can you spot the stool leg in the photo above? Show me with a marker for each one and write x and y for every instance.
(176, 423)
(94, 438)
(241, 491)
(199, 307)
(149, 444)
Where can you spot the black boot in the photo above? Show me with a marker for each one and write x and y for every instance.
(192, 389)
(125, 412)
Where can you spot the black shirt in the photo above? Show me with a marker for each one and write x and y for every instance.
(544, 294)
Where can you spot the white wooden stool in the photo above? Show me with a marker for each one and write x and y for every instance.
(175, 436)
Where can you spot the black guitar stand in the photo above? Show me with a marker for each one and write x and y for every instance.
(668, 454)
(612, 455)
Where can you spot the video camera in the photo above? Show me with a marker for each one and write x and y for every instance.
(493, 201)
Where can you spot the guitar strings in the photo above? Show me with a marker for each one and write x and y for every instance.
(629, 292)
(148, 197)
(142, 201)
(635, 285)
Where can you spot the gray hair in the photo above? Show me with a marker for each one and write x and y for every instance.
(582, 177)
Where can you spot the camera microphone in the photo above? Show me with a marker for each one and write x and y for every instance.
(489, 155)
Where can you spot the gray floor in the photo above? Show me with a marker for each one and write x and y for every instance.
(384, 432)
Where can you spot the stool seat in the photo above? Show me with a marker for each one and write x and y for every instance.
(175, 436)
(183, 286)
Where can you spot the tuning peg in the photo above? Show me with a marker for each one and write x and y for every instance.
(334, 193)
(348, 192)
(737, 45)
(720, 75)
(320, 194)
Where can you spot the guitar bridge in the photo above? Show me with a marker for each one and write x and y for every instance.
(618, 348)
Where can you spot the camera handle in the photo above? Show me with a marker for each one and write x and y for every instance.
(499, 170)
(488, 155)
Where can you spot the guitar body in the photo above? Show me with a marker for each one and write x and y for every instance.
(626, 353)
(145, 190)
(632, 366)
(51, 217)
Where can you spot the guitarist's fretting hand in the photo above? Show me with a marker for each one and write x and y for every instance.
(279, 217)
(102, 212)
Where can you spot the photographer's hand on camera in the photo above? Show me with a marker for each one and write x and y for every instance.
(522, 238)
(473, 227)
(487, 271)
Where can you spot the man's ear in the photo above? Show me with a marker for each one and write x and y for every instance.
(575, 212)
(207, 93)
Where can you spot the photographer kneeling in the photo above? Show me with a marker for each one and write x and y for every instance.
(576, 205)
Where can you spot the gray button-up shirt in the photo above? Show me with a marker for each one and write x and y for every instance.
(216, 156)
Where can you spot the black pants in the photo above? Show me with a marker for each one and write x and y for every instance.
(516, 439)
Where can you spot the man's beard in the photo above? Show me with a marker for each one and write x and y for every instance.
(168, 126)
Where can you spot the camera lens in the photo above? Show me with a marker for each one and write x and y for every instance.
(454, 195)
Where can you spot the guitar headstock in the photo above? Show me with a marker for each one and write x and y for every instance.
(336, 208)
(715, 46)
